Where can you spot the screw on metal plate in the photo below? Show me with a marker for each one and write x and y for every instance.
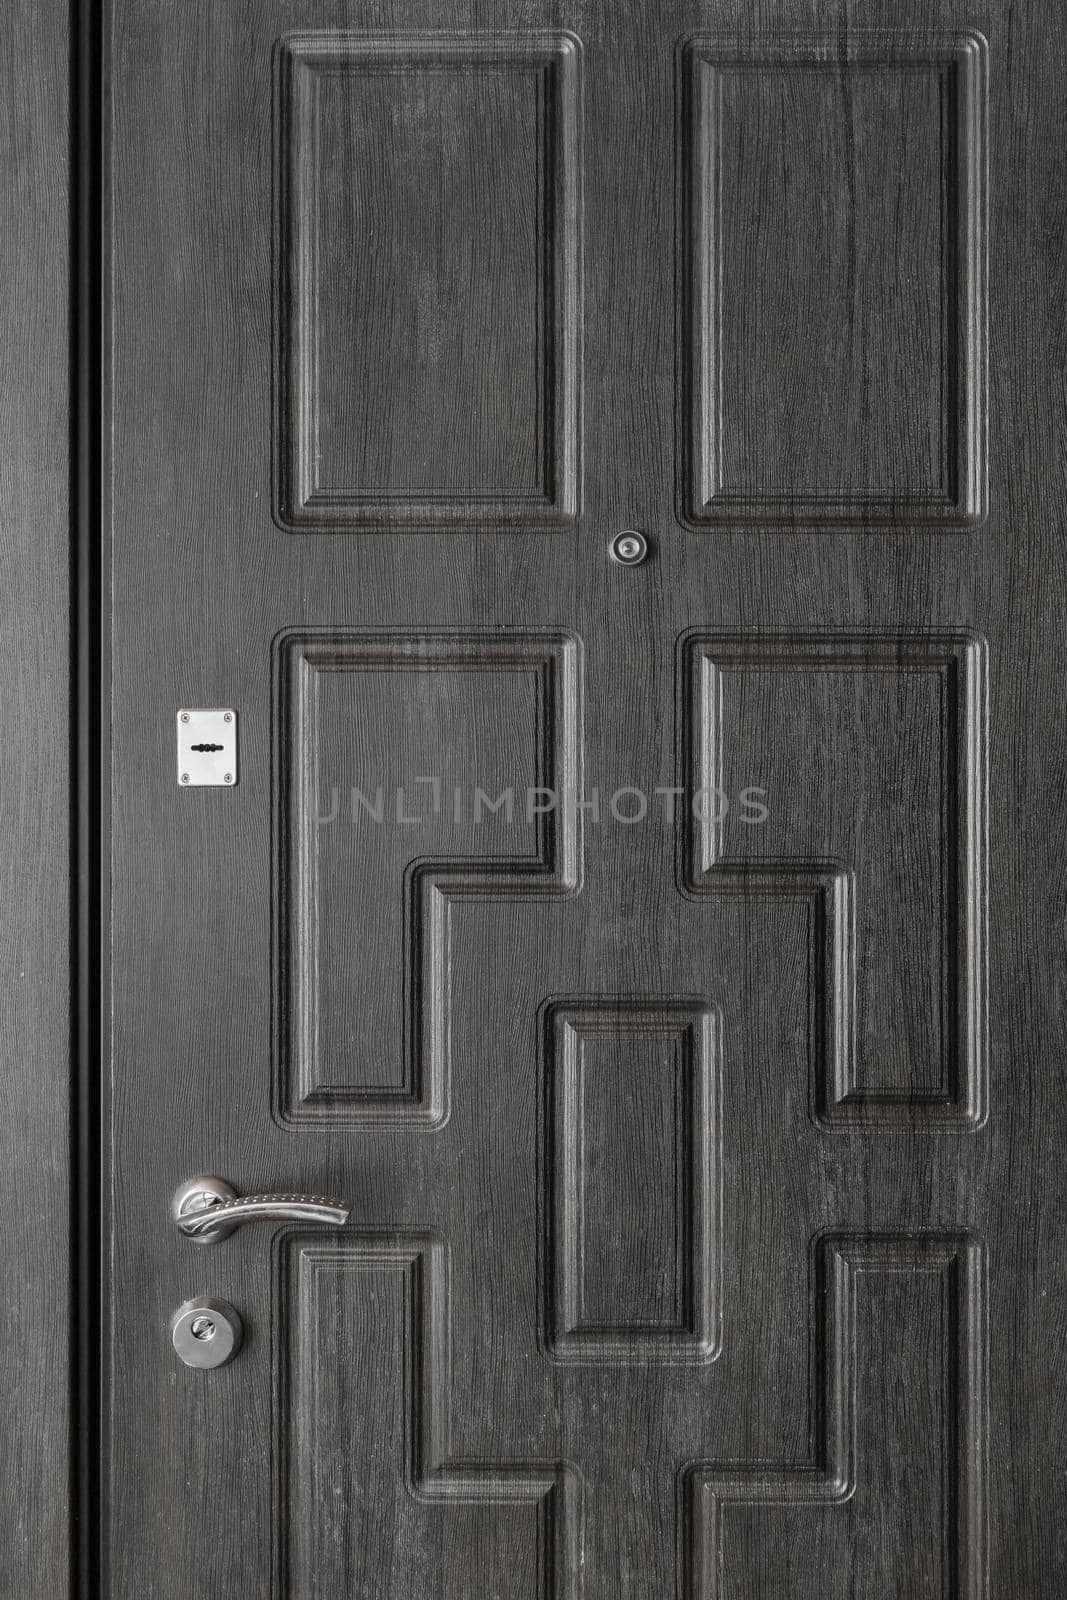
(628, 548)
(207, 748)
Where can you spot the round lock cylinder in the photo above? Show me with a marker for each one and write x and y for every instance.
(206, 1333)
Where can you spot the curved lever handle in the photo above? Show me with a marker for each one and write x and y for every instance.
(207, 1209)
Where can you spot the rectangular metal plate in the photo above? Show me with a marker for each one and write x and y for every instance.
(207, 748)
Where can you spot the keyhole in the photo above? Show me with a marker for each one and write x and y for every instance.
(202, 1328)
(205, 748)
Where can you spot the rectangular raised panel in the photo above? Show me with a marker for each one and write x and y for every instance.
(383, 742)
(429, 280)
(632, 1172)
(834, 344)
(366, 1494)
(872, 753)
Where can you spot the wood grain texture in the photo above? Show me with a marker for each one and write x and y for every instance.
(35, 926)
(855, 1352)
(854, 267)
(632, 1088)
(429, 238)
(404, 1512)
(374, 735)
(895, 1038)
(907, 1257)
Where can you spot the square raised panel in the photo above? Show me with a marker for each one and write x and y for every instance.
(834, 348)
(428, 288)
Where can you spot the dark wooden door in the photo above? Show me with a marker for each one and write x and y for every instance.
(664, 960)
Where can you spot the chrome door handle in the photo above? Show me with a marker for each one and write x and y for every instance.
(207, 1209)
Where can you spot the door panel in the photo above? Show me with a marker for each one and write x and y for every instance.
(858, 262)
(659, 959)
(388, 1507)
(895, 878)
(470, 143)
(418, 715)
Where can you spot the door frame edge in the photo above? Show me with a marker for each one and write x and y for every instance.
(89, 27)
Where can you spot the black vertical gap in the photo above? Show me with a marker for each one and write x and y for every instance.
(85, 100)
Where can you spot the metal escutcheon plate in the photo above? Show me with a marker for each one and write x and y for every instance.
(207, 747)
(206, 1333)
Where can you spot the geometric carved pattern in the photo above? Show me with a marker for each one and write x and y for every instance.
(368, 888)
(363, 1332)
(741, 1520)
(632, 1103)
(833, 358)
(428, 248)
(883, 817)
(631, 1098)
